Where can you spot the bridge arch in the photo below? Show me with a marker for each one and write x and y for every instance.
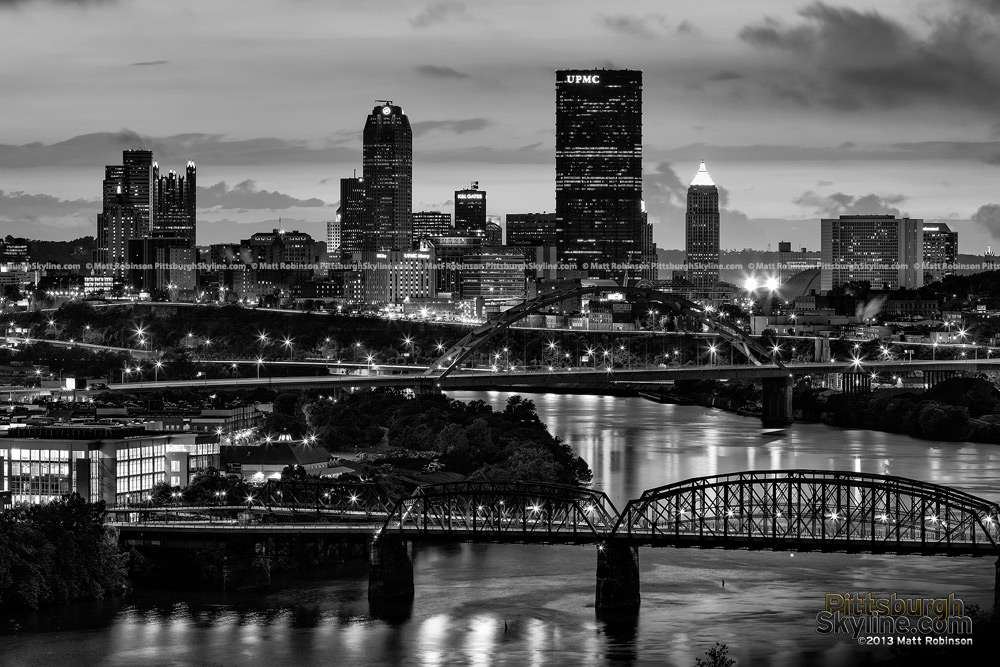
(482, 334)
(813, 510)
(503, 511)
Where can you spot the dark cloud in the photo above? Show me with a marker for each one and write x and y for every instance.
(66, 3)
(454, 126)
(648, 26)
(848, 60)
(688, 28)
(440, 72)
(725, 75)
(439, 12)
(21, 207)
(246, 196)
(972, 151)
(988, 217)
(101, 148)
(831, 206)
(150, 63)
(665, 195)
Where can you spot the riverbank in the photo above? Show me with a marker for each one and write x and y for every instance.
(955, 410)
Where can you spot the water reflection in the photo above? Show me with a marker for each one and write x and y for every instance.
(533, 605)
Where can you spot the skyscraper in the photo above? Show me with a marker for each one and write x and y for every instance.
(387, 169)
(138, 185)
(352, 215)
(333, 235)
(701, 232)
(940, 251)
(470, 211)
(128, 208)
(884, 250)
(599, 171)
(176, 204)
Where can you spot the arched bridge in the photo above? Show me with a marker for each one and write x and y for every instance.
(674, 303)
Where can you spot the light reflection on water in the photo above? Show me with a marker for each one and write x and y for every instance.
(533, 605)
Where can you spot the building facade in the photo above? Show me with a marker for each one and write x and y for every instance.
(352, 214)
(387, 169)
(333, 235)
(599, 225)
(430, 223)
(701, 232)
(884, 250)
(531, 229)
(176, 204)
(940, 251)
(470, 211)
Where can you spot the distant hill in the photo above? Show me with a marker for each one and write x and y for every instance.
(77, 251)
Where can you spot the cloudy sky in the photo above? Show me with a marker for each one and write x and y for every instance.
(801, 109)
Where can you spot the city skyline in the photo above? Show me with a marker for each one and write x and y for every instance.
(804, 112)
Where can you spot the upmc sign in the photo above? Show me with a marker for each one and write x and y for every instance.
(583, 78)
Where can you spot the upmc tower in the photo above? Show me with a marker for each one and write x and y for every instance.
(600, 225)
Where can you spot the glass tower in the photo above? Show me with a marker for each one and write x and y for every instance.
(387, 169)
(701, 232)
(599, 223)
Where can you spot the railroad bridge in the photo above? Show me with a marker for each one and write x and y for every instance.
(777, 510)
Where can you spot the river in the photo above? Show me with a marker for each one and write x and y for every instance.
(533, 605)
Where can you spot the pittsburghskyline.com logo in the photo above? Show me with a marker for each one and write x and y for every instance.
(896, 619)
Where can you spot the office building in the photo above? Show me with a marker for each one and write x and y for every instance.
(352, 214)
(387, 169)
(128, 208)
(333, 235)
(162, 264)
(449, 255)
(701, 232)
(393, 276)
(940, 251)
(470, 211)
(599, 172)
(494, 273)
(175, 204)
(531, 229)
(430, 223)
(883, 250)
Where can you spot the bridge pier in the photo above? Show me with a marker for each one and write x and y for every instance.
(617, 577)
(776, 403)
(996, 589)
(390, 574)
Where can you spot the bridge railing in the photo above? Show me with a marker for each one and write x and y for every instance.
(501, 511)
(330, 497)
(813, 510)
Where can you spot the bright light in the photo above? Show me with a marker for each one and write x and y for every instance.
(771, 283)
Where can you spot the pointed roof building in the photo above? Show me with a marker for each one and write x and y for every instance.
(702, 177)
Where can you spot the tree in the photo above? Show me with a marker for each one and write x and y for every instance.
(718, 656)
(294, 473)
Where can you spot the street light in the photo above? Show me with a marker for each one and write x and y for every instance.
(156, 371)
(287, 342)
(260, 361)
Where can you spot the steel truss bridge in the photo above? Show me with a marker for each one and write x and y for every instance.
(779, 510)
(795, 510)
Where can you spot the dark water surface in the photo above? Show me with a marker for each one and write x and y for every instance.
(534, 605)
